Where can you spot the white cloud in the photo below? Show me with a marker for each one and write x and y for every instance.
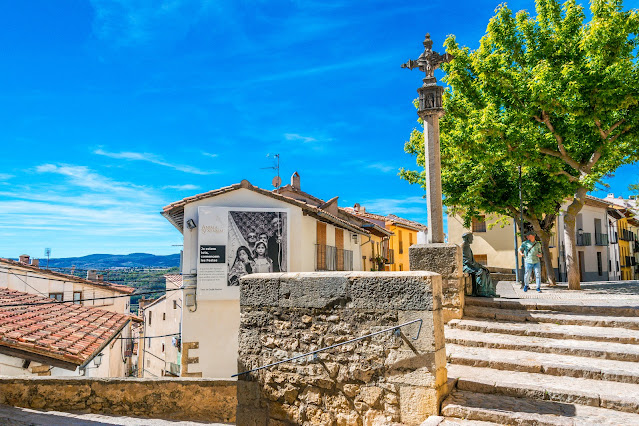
(187, 187)
(138, 22)
(5, 176)
(384, 168)
(299, 138)
(208, 154)
(154, 159)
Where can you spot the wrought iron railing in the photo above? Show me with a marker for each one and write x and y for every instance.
(584, 239)
(390, 257)
(601, 239)
(173, 369)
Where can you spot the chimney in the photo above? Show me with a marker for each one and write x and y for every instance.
(35, 262)
(92, 275)
(356, 207)
(610, 195)
(295, 181)
(99, 277)
(24, 258)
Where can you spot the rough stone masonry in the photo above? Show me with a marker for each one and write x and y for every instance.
(377, 380)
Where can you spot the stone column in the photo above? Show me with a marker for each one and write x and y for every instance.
(382, 379)
(446, 260)
(433, 177)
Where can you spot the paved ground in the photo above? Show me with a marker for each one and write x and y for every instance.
(602, 292)
(14, 416)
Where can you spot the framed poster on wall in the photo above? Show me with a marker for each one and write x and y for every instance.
(234, 242)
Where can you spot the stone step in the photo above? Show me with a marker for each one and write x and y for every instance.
(564, 318)
(520, 411)
(577, 332)
(498, 276)
(606, 350)
(611, 307)
(551, 364)
(498, 270)
(452, 421)
(569, 390)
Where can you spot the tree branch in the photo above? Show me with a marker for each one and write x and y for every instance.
(561, 153)
(570, 177)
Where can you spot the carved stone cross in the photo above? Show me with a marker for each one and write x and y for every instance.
(428, 61)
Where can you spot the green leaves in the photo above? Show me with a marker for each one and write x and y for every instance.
(551, 92)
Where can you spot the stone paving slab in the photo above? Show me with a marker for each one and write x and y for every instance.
(508, 410)
(554, 331)
(607, 350)
(451, 421)
(551, 364)
(596, 393)
(565, 318)
(596, 306)
(16, 416)
(605, 291)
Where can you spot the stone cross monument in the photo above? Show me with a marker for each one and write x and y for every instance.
(430, 110)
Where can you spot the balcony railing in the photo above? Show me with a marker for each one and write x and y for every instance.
(601, 239)
(584, 239)
(173, 369)
(626, 262)
(626, 235)
(553, 241)
(329, 258)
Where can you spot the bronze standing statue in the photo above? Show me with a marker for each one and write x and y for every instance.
(483, 285)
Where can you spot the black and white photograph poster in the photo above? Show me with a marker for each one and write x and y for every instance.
(235, 242)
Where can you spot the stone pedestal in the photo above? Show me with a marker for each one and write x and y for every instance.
(446, 260)
(383, 379)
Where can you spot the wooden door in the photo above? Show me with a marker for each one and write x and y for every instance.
(339, 244)
(320, 247)
(581, 265)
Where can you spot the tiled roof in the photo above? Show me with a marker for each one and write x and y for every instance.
(65, 277)
(61, 331)
(174, 212)
(175, 279)
(390, 218)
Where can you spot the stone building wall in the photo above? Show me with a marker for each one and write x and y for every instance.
(171, 399)
(378, 380)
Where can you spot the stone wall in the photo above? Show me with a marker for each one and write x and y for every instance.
(446, 260)
(171, 399)
(378, 380)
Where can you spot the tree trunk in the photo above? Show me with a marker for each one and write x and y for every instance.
(570, 239)
(545, 249)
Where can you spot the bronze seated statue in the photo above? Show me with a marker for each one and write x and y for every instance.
(483, 285)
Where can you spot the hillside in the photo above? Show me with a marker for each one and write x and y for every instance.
(112, 261)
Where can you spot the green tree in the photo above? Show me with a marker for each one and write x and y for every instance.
(477, 180)
(568, 87)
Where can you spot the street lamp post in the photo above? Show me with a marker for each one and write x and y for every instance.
(430, 110)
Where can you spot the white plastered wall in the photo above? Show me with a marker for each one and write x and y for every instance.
(215, 323)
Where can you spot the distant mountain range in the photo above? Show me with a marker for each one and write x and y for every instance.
(109, 261)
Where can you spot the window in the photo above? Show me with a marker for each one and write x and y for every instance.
(56, 296)
(599, 264)
(162, 347)
(150, 317)
(479, 224)
(410, 239)
(77, 297)
(175, 304)
(482, 259)
(401, 243)
(163, 316)
(148, 342)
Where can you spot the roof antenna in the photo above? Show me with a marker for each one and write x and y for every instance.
(47, 253)
(277, 180)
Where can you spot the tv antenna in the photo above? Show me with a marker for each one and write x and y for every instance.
(277, 181)
(47, 253)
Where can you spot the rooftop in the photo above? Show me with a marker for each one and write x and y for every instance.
(60, 334)
(66, 277)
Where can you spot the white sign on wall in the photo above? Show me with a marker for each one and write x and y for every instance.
(233, 242)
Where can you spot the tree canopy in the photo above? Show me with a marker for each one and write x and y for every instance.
(553, 92)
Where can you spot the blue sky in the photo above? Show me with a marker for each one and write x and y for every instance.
(112, 109)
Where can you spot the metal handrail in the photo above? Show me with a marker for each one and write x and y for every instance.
(315, 352)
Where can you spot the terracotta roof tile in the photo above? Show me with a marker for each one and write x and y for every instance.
(46, 272)
(63, 331)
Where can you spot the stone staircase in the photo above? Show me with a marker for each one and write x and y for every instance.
(501, 274)
(533, 362)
